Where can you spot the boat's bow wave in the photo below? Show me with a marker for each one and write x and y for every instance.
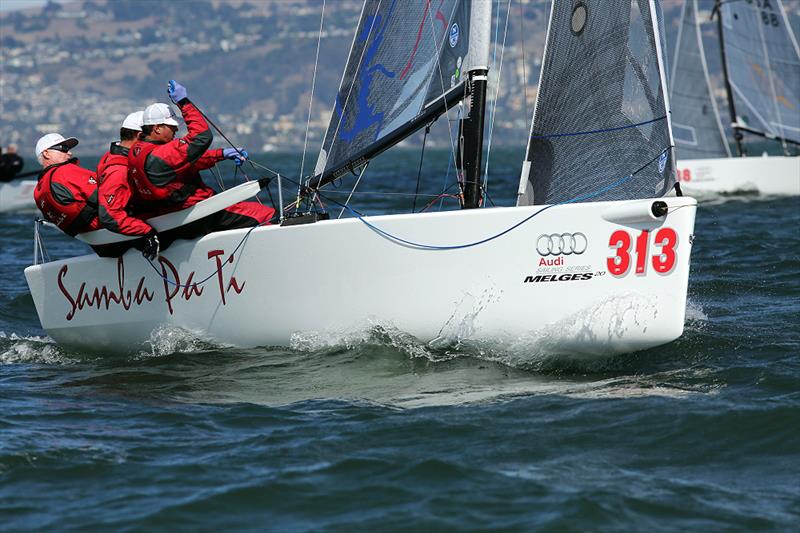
(168, 340)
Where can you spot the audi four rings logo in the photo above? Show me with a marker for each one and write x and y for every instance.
(561, 244)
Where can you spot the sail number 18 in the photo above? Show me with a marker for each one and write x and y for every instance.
(662, 260)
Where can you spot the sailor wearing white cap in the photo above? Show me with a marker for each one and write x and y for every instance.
(66, 194)
(116, 198)
(54, 148)
(166, 170)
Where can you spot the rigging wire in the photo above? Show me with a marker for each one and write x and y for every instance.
(524, 74)
(313, 84)
(360, 175)
(450, 161)
(441, 81)
(497, 89)
(214, 273)
(419, 170)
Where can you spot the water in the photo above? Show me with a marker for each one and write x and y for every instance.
(371, 430)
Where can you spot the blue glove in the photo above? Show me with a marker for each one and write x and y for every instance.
(176, 91)
(240, 155)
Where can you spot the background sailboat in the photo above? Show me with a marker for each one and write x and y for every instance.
(761, 68)
(591, 260)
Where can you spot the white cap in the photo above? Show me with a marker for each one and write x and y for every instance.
(133, 121)
(52, 139)
(158, 114)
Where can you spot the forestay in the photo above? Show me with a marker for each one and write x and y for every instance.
(404, 55)
(763, 62)
(696, 122)
(600, 128)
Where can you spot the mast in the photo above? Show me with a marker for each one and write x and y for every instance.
(472, 126)
(472, 133)
(737, 135)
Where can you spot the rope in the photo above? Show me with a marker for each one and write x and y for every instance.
(606, 130)
(313, 84)
(413, 244)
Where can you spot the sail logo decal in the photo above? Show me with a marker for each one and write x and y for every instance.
(104, 296)
(364, 116)
(440, 17)
(561, 244)
(662, 162)
(454, 34)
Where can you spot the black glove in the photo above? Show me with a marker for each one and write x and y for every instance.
(150, 246)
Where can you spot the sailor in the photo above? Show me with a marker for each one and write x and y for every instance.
(66, 194)
(166, 170)
(116, 197)
(10, 163)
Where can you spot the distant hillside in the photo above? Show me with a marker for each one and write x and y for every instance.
(79, 68)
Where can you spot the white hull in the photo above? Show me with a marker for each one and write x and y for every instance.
(17, 196)
(339, 275)
(768, 175)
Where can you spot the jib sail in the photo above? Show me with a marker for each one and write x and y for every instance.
(407, 64)
(600, 127)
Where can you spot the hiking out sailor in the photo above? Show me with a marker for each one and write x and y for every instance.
(116, 194)
(166, 170)
(66, 193)
(10, 163)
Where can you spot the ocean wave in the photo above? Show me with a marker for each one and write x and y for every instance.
(15, 349)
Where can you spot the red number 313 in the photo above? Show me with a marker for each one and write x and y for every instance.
(666, 239)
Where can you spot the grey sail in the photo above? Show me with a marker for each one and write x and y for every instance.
(404, 56)
(600, 127)
(763, 63)
(696, 123)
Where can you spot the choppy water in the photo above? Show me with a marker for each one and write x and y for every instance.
(370, 430)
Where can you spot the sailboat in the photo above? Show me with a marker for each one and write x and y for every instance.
(593, 259)
(17, 196)
(761, 70)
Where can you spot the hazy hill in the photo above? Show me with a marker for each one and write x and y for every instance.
(79, 68)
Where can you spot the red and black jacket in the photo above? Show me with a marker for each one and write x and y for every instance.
(66, 194)
(116, 196)
(167, 175)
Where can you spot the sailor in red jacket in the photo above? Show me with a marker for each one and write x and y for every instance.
(66, 194)
(166, 170)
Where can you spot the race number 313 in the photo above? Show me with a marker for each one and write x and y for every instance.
(662, 257)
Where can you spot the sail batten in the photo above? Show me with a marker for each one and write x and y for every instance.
(406, 59)
(600, 129)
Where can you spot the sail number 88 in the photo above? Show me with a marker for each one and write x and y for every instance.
(662, 260)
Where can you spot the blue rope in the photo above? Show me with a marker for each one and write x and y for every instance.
(515, 226)
(597, 131)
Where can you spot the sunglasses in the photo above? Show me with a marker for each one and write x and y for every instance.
(60, 148)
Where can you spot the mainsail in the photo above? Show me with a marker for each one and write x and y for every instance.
(600, 128)
(763, 63)
(695, 118)
(408, 60)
